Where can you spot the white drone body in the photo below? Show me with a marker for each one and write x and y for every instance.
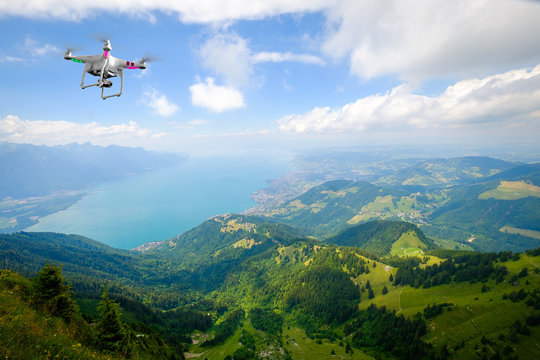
(104, 66)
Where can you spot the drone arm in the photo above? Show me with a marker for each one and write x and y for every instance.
(121, 73)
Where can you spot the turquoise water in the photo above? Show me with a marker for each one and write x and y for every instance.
(159, 205)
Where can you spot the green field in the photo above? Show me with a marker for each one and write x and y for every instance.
(525, 232)
(408, 244)
(474, 313)
(303, 348)
(294, 341)
(450, 244)
(511, 190)
(217, 352)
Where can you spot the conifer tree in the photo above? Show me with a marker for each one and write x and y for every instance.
(50, 293)
(112, 334)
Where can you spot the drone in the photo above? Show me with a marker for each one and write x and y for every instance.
(104, 66)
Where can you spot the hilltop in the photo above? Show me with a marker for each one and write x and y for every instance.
(384, 238)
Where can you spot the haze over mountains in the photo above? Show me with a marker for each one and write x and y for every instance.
(31, 170)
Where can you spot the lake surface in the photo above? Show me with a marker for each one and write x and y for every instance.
(158, 205)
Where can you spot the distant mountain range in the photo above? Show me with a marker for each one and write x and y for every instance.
(31, 170)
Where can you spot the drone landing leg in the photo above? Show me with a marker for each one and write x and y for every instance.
(86, 68)
(121, 73)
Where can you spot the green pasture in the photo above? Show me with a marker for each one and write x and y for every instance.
(511, 190)
(303, 348)
(474, 314)
(408, 244)
(524, 232)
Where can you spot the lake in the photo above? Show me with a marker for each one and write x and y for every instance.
(158, 205)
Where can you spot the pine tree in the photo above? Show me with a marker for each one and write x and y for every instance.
(384, 290)
(50, 293)
(112, 334)
(371, 295)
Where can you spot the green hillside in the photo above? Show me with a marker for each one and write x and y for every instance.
(39, 320)
(27, 252)
(326, 209)
(447, 172)
(479, 211)
(467, 215)
(237, 286)
(384, 238)
(203, 256)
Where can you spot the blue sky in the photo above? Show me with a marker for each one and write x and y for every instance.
(260, 75)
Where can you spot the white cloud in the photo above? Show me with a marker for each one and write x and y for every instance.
(197, 11)
(510, 99)
(287, 56)
(417, 39)
(413, 39)
(229, 57)
(159, 103)
(31, 50)
(215, 97)
(197, 122)
(47, 132)
(39, 50)
(8, 58)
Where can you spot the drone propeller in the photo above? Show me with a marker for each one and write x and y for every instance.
(101, 37)
(73, 48)
(69, 49)
(150, 58)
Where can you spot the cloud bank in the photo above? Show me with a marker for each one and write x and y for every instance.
(510, 99)
(418, 39)
(46, 132)
(413, 39)
(191, 11)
